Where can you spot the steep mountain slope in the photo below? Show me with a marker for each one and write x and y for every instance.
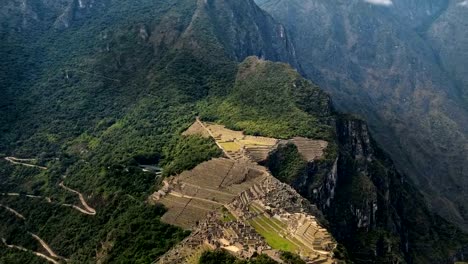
(355, 184)
(449, 36)
(111, 90)
(94, 99)
(375, 62)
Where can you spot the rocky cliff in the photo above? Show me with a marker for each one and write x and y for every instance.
(374, 59)
(372, 208)
(449, 37)
(115, 82)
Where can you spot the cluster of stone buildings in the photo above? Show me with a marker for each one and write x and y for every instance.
(251, 195)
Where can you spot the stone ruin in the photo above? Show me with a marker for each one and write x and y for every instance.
(236, 184)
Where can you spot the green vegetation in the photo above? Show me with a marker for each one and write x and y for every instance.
(269, 99)
(116, 89)
(227, 216)
(188, 152)
(265, 227)
(108, 111)
(127, 229)
(287, 164)
(222, 257)
(104, 102)
(290, 258)
(108, 99)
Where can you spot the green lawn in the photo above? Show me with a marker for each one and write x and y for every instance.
(227, 216)
(272, 236)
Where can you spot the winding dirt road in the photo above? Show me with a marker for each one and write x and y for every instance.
(13, 211)
(52, 255)
(30, 251)
(86, 208)
(48, 200)
(18, 161)
(46, 247)
(91, 211)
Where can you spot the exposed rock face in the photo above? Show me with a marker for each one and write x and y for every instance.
(37, 14)
(366, 201)
(242, 28)
(376, 62)
(364, 197)
(449, 35)
(418, 14)
(355, 145)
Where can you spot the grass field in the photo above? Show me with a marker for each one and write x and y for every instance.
(254, 208)
(227, 216)
(272, 236)
(271, 229)
(252, 142)
(230, 146)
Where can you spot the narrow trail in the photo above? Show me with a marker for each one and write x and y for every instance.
(46, 247)
(30, 251)
(180, 195)
(210, 190)
(36, 237)
(18, 161)
(88, 208)
(48, 200)
(13, 212)
(81, 210)
(214, 138)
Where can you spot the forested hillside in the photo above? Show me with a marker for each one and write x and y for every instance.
(94, 90)
(398, 65)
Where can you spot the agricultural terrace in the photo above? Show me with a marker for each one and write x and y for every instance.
(209, 186)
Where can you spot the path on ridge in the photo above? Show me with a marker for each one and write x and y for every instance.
(87, 209)
(13, 211)
(46, 247)
(91, 211)
(214, 138)
(18, 161)
(37, 238)
(30, 251)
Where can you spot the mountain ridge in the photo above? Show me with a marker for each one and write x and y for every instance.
(377, 64)
(119, 87)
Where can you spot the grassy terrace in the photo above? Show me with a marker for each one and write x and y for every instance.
(227, 216)
(272, 236)
(271, 229)
(230, 146)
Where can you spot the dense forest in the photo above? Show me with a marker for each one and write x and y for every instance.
(94, 93)
(94, 101)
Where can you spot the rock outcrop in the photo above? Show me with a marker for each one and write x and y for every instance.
(378, 61)
(372, 208)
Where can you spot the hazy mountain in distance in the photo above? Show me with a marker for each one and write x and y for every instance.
(96, 91)
(385, 61)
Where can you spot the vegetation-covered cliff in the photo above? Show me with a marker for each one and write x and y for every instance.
(397, 64)
(93, 90)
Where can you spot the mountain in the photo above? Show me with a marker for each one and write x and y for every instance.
(448, 34)
(93, 91)
(389, 62)
(97, 95)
